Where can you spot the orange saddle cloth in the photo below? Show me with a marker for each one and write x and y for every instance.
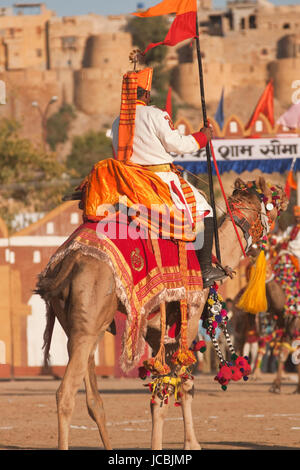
(113, 185)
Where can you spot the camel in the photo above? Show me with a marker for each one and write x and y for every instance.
(276, 301)
(81, 294)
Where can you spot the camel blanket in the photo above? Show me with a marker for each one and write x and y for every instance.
(141, 285)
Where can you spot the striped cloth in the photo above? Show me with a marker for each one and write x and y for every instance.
(127, 116)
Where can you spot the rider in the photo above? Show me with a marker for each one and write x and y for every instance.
(155, 144)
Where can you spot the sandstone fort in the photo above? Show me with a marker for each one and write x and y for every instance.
(80, 59)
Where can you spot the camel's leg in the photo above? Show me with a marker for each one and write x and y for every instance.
(276, 385)
(80, 347)
(298, 387)
(94, 402)
(159, 411)
(190, 440)
(257, 370)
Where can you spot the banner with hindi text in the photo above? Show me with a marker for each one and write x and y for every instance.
(238, 155)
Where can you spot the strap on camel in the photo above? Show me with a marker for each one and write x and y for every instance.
(183, 356)
(157, 364)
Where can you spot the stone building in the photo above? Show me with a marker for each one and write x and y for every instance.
(80, 59)
(23, 36)
(243, 47)
(23, 255)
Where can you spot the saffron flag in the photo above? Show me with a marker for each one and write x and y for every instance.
(219, 116)
(184, 24)
(264, 106)
(290, 184)
(169, 103)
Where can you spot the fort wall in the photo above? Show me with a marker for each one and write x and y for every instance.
(285, 72)
(97, 87)
(81, 59)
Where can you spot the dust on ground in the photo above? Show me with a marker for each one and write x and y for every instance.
(247, 416)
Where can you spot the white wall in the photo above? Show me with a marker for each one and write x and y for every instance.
(36, 323)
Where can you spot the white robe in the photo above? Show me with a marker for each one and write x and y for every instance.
(155, 140)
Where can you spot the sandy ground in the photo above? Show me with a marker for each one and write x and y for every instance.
(246, 416)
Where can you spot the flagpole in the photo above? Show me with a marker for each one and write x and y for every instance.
(208, 151)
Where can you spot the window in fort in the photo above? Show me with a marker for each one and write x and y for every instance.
(216, 25)
(69, 42)
(264, 52)
(242, 23)
(286, 26)
(252, 22)
(39, 52)
(106, 60)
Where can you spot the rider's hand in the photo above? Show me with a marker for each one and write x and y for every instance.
(208, 131)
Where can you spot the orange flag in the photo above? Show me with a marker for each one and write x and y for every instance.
(290, 184)
(184, 25)
(264, 106)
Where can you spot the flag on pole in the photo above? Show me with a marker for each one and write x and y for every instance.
(169, 103)
(264, 106)
(184, 24)
(290, 182)
(219, 116)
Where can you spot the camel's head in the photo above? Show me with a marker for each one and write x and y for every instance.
(272, 196)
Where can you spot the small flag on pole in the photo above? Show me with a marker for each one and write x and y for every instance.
(219, 116)
(290, 182)
(184, 24)
(264, 106)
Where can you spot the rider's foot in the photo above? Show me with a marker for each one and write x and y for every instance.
(210, 275)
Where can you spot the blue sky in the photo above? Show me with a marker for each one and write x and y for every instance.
(106, 7)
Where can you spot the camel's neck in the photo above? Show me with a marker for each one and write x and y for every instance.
(231, 251)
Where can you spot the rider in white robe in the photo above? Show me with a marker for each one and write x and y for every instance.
(156, 142)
